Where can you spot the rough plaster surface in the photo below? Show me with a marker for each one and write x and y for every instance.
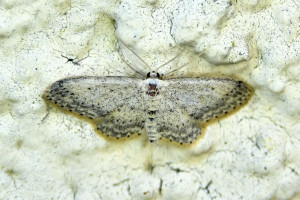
(48, 154)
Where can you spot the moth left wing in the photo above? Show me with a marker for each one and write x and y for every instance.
(114, 104)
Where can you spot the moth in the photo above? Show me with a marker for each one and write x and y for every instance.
(176, 109)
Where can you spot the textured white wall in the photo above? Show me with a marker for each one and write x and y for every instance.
(48, 154)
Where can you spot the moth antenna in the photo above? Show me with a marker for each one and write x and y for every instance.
(123, 59)
(170, 60)
(135, 54)
(176, 69)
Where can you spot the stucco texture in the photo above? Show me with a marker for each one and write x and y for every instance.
(46, 153)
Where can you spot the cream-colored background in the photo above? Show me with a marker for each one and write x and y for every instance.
(47, 154)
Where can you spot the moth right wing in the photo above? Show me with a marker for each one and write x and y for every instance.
(207, 98)
(189, 103)
(114, 104)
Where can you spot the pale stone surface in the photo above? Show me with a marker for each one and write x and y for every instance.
(48, 154)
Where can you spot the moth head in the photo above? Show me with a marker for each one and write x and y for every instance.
(153, 74)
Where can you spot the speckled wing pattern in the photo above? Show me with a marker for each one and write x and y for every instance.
(189, 103)
(175, 109)
(115, 104)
